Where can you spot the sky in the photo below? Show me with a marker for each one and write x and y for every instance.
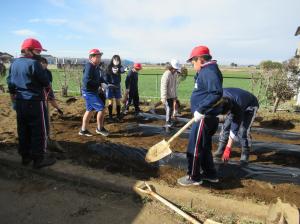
(239, 31)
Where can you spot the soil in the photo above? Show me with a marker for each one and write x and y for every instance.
(35, 199)
(64, 129)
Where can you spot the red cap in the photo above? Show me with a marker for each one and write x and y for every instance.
(198, 51)
(31, 43)
(137, 66)
(95, 51)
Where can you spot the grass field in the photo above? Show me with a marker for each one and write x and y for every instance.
(149, 81)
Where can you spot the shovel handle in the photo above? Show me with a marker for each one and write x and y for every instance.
(181, 130)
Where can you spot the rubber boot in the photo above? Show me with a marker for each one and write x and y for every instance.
(219, 153)
(137, 111)
(110, 118)
(245, 155)
(119, 117)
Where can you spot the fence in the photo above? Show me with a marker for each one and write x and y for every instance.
(149, 85)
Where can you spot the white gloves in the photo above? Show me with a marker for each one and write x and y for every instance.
(198, 116)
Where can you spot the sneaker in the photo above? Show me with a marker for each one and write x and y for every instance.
(119, 118)
(85, 133)
(245, 156)
(103, 132)
(125, 112)
(110, 120)
(187, 181)
(211, 179)
(43, 161)
(152, 111)
(177, 114)
(169, 124)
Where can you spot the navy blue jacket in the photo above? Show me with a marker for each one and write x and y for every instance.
(49, 91)
(208, 89)
(131, 81)
(114, 79)
(92, 78)
(242, 101)
(49, 73)
(27, 79)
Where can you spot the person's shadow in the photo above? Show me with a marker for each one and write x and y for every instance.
(116, 159)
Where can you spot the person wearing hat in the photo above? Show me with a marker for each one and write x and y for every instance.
(132, 90)
(168, 90)
(113, 91)
(204, 100)
(241, 112)
(26, 82)
(49, 94)
(92, 81)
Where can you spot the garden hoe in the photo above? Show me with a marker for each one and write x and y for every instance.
(162, 149)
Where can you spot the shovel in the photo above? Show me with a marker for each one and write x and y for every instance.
(162, 149)
(146, 189)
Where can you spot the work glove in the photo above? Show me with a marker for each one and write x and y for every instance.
(198, 116)
(60, 111)
(226, 154)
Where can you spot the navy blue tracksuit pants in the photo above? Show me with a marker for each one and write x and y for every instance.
(199, 155)
(33, 127)
(244, 131)
(133, 96)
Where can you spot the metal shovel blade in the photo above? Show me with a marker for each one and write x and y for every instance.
(158, 151)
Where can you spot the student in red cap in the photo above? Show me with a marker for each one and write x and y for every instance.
(26, 83)
(91, 83)
(132, 90)
(206, 95)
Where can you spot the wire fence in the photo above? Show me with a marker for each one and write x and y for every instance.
(149, 84)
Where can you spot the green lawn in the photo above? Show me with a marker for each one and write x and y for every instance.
(149, 81)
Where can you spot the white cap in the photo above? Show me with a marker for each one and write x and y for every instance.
(175, 64)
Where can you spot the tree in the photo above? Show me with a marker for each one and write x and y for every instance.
(275, 82)
(181, 76)
(233, 64)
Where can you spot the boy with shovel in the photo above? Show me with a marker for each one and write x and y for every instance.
(207, 92)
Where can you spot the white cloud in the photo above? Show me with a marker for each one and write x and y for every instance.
(25, 32)
(153, 30)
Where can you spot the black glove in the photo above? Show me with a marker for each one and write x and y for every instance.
(60, 111)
